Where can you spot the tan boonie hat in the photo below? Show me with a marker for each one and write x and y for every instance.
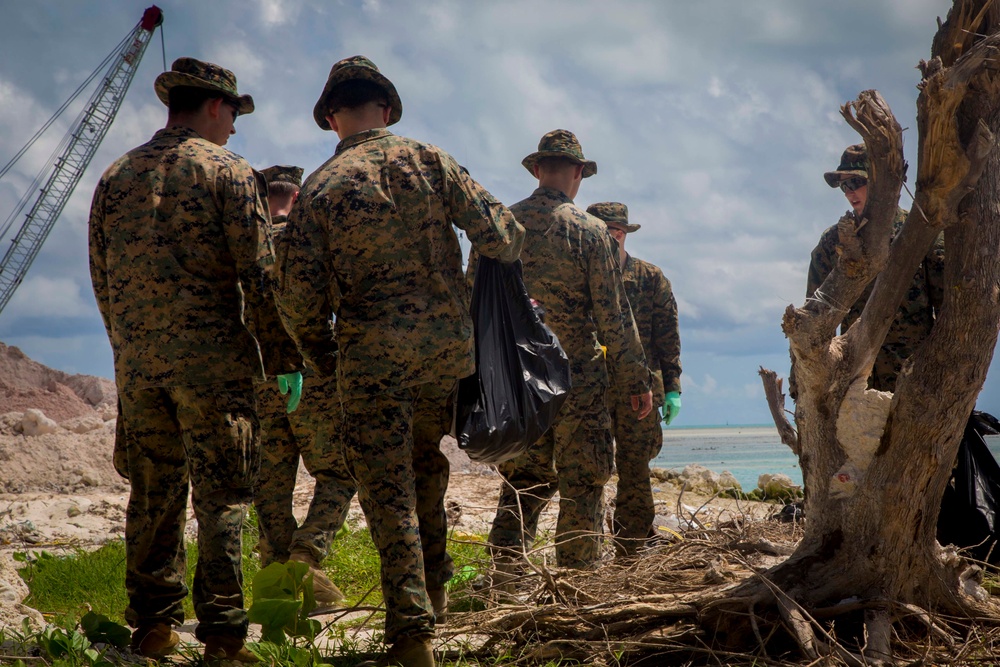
(854, 162)
(283, 173)
(614, 214)
(349, 69)
(198, 74)
(560, 143)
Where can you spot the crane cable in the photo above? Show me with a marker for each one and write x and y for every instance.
(31, 142)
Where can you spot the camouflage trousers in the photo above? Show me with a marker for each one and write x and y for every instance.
(393, 450)
(312, 432)
(207, 436)
(574, 457)
(637, 442)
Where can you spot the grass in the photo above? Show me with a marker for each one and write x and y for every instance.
(63, 587)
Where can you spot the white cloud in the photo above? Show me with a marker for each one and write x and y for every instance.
(42, 296)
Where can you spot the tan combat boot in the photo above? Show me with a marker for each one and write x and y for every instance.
(154, 641)
(439, 599)
(411, 652)
(325, 591)
(408, 652)
(226, 648)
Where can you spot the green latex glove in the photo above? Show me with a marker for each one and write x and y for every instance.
(293, 382)
(671, 406)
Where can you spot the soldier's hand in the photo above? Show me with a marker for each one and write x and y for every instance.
(291, 382)
(671, 406)
(642, 404)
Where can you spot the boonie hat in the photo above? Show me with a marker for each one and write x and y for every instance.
(198, 74)
(283, 173)
(854, 162)
(614, 214)
(560, 143)
(349, 69)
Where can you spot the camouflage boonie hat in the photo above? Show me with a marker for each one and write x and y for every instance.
(198, 74)
(854, 162)
(560, 143)
(349, 69)
(283, 173)
(614, 214)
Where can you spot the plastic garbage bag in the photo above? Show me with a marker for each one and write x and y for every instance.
(522, 374)
(971, 502)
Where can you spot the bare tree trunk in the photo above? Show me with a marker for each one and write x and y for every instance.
(876, 464)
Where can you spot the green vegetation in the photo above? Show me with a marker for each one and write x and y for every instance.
(82, 595)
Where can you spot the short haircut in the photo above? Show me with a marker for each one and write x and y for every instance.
(188, 99)
(281, 189)
(556, 163)
(354, 94)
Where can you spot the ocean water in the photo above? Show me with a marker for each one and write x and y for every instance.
(745, 451)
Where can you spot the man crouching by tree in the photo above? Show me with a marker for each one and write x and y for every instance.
(916, 313)
(372, 241)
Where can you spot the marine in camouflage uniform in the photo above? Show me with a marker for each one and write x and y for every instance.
(311, 432)
(571, 270)
(638, 442)
(371, 239)
(178, 245)
(916, 313)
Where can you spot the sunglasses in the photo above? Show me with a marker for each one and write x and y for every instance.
(853, 183)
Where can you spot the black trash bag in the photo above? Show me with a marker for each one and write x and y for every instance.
(522, 374)
(971, 502)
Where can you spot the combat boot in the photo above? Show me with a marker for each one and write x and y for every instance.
(154, 641)
(325, 591)
(408, 652)
(227, 648)
(439, 599)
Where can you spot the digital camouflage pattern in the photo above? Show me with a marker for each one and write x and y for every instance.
(916, 313)
(199, 74)
(637, 442)
(178, 244)
(350, 69)
(570, 268)
(206, 435)
(614, 214)
(371, 239)
(402, 477)
(313, 432)
(560, 143)
(575, 458)
(853, 162)
(283, 173)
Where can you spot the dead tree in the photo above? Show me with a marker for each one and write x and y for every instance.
(875, 465)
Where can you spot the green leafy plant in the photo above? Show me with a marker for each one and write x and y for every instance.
(100, 629)
(282, 601)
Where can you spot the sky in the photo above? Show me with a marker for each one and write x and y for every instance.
(712, 120)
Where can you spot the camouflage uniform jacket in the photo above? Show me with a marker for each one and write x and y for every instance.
(570, 268)
(281, 356)
(655, 312)
(916, 313)
(371, 239)
(178, 243)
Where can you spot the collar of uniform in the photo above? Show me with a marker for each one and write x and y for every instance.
(553, 193)
(628, 260)
(177, 131)
(362, 137)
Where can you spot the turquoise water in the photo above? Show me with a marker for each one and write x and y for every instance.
(745, 451)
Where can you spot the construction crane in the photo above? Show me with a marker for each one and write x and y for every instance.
(78, 149)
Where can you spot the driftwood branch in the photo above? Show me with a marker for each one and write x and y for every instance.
(776, 403)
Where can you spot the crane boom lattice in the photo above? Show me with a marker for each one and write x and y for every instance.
(81, 144)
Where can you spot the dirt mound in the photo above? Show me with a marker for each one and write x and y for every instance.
(56, 429)
(28, 384)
